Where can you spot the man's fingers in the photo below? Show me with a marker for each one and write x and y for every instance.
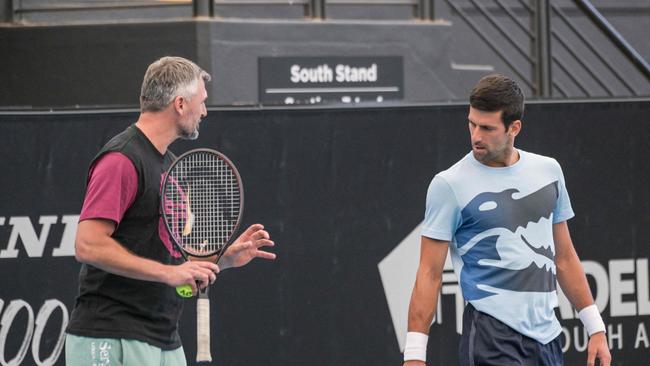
(239, 247)
(265, 255)
(264, 243)
(200, 271)
(591, 357)
(253, 228)
(207, 265)
(208, 274)
(211, 278)
(261, 234)
(605, 359)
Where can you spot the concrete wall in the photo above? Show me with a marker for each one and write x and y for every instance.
(64, 59)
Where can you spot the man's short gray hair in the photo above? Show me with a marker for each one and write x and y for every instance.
(168, 78)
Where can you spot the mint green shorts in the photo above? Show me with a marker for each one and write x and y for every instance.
(86, 351)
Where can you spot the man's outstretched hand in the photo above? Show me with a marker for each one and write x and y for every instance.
(246, 247)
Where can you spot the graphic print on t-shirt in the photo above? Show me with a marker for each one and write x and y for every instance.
(491, 218)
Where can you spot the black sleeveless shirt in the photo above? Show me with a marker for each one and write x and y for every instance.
(112, 306)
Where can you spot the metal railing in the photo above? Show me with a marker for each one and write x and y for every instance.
(639, 62)
(536, 52)
(312, 9)
(541, 57)
(491, 42)
(317, 9)
(20, 9)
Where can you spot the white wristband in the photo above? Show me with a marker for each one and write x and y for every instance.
(591, 319)
(416, 346)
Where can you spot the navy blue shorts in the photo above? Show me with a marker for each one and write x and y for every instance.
(487, 341)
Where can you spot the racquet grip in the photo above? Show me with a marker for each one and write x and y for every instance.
(203, 330)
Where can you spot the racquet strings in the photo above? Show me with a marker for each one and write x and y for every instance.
(202, 201)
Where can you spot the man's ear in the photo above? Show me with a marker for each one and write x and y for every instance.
(179, 104)
(515, 128)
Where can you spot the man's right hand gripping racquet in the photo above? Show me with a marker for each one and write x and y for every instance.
(202, 202)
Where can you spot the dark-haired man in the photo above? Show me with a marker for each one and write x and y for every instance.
(502, 212)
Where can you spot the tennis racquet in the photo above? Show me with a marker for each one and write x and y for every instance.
(202, 200)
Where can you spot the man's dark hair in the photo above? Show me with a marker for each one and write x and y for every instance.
(496, 92)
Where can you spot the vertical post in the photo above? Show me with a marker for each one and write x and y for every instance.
(317, 9)
(8, 11)
(203, 8)
(543, 81)
(427, 10)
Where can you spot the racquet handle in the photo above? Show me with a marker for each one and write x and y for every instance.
(203, 330)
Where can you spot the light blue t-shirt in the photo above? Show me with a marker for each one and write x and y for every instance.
(499, 222)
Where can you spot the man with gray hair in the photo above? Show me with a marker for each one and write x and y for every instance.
(127, 310)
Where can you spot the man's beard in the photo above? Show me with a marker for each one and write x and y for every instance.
(491, 156)
(189, 135)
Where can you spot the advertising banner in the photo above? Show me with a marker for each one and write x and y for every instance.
(342, 193)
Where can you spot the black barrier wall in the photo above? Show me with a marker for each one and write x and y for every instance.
(341, 192)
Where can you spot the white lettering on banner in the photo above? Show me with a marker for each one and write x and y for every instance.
(620, 287)
(22, 227)
(66, 246)
(642, 286)
(41, 320)
(577, 338)
(580, 343)
(450, 287)
(33, 332)
(567, 336)
(615, 336)
(34, 244)
(615, 287)
(346, 73)
(325, 74)
(5, 324)
(319, 74)
(641, 336)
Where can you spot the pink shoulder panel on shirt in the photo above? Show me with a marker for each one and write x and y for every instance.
(112, 187)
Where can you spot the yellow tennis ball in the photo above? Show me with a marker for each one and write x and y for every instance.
(184, 291)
